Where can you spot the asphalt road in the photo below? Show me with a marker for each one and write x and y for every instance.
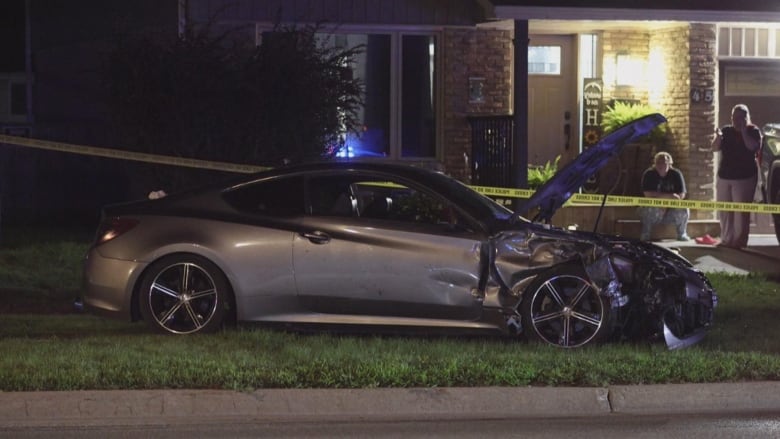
(761, 425)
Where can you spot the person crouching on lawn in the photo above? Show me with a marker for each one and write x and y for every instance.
(663, 181)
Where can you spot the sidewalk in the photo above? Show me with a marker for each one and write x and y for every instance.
(165, 407)
(761, 255)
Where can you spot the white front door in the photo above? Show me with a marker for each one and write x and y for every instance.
(552, 105)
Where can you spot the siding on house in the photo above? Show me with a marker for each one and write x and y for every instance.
(369, 12)
(690, 5)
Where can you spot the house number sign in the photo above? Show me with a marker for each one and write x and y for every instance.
(706, 95)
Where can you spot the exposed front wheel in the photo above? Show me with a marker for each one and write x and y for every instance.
(562, 308)
(184, 294)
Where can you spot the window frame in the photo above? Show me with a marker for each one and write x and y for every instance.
(396, 33)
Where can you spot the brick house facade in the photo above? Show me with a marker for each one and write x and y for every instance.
(690, 62)
(689, 54)
(475, 52)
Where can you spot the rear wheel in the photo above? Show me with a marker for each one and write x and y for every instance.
(184, 294)
(562, 308)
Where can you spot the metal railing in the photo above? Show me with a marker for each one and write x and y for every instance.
(492, 150)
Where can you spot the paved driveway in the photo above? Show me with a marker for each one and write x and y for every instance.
(761, 255)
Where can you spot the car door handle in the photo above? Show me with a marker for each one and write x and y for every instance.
(317, 237)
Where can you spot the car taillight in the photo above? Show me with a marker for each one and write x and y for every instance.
(110, 228)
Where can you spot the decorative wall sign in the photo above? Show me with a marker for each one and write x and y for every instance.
(592, 104)
(592, 99)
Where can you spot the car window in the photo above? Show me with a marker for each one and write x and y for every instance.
(273, 197)
(331, 195)
(375, 198)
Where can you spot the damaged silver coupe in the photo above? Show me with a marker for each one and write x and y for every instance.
(390, 246)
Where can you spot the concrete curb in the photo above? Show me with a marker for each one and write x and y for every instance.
(156, 407)
(151, 407)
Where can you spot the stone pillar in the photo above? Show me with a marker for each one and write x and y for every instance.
(703, 115)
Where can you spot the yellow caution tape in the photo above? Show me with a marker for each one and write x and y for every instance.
(618, 200)
(576, 199)
(503, 192)
(128, 155)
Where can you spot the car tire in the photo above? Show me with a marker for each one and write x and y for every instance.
(184, 294)
(563, 308)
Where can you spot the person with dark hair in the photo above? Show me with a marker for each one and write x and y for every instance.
(738, 144)
(663, 181)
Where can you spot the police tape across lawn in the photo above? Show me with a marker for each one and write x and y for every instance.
(576, 199)
(619, 200)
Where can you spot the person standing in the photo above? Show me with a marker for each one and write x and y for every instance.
(663, 181)
(738, 144)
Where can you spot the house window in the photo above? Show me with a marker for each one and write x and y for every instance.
(589, 55)
(749, 42)
(399, 113)
(399, 72)
(418, 115)
(373, 66)
(544, 60)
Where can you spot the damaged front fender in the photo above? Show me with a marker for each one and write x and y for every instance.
(518, 255)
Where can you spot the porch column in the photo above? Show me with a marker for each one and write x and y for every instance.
(520, 103)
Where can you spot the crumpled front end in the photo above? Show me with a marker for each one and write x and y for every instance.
(679, 298)
(652, 292)
(666, 297)
(521, 255)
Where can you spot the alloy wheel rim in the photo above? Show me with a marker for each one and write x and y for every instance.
(566, 311)
(183, 298)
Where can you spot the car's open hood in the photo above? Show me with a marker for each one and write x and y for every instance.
(556, 191)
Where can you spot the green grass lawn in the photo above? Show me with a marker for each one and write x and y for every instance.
(45, 347)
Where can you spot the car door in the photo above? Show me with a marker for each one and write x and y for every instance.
(269, 213)
(377, 247)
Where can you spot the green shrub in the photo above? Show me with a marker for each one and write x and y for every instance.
(538, 175)
(621, 113)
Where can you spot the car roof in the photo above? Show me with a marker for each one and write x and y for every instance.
(402, 169)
